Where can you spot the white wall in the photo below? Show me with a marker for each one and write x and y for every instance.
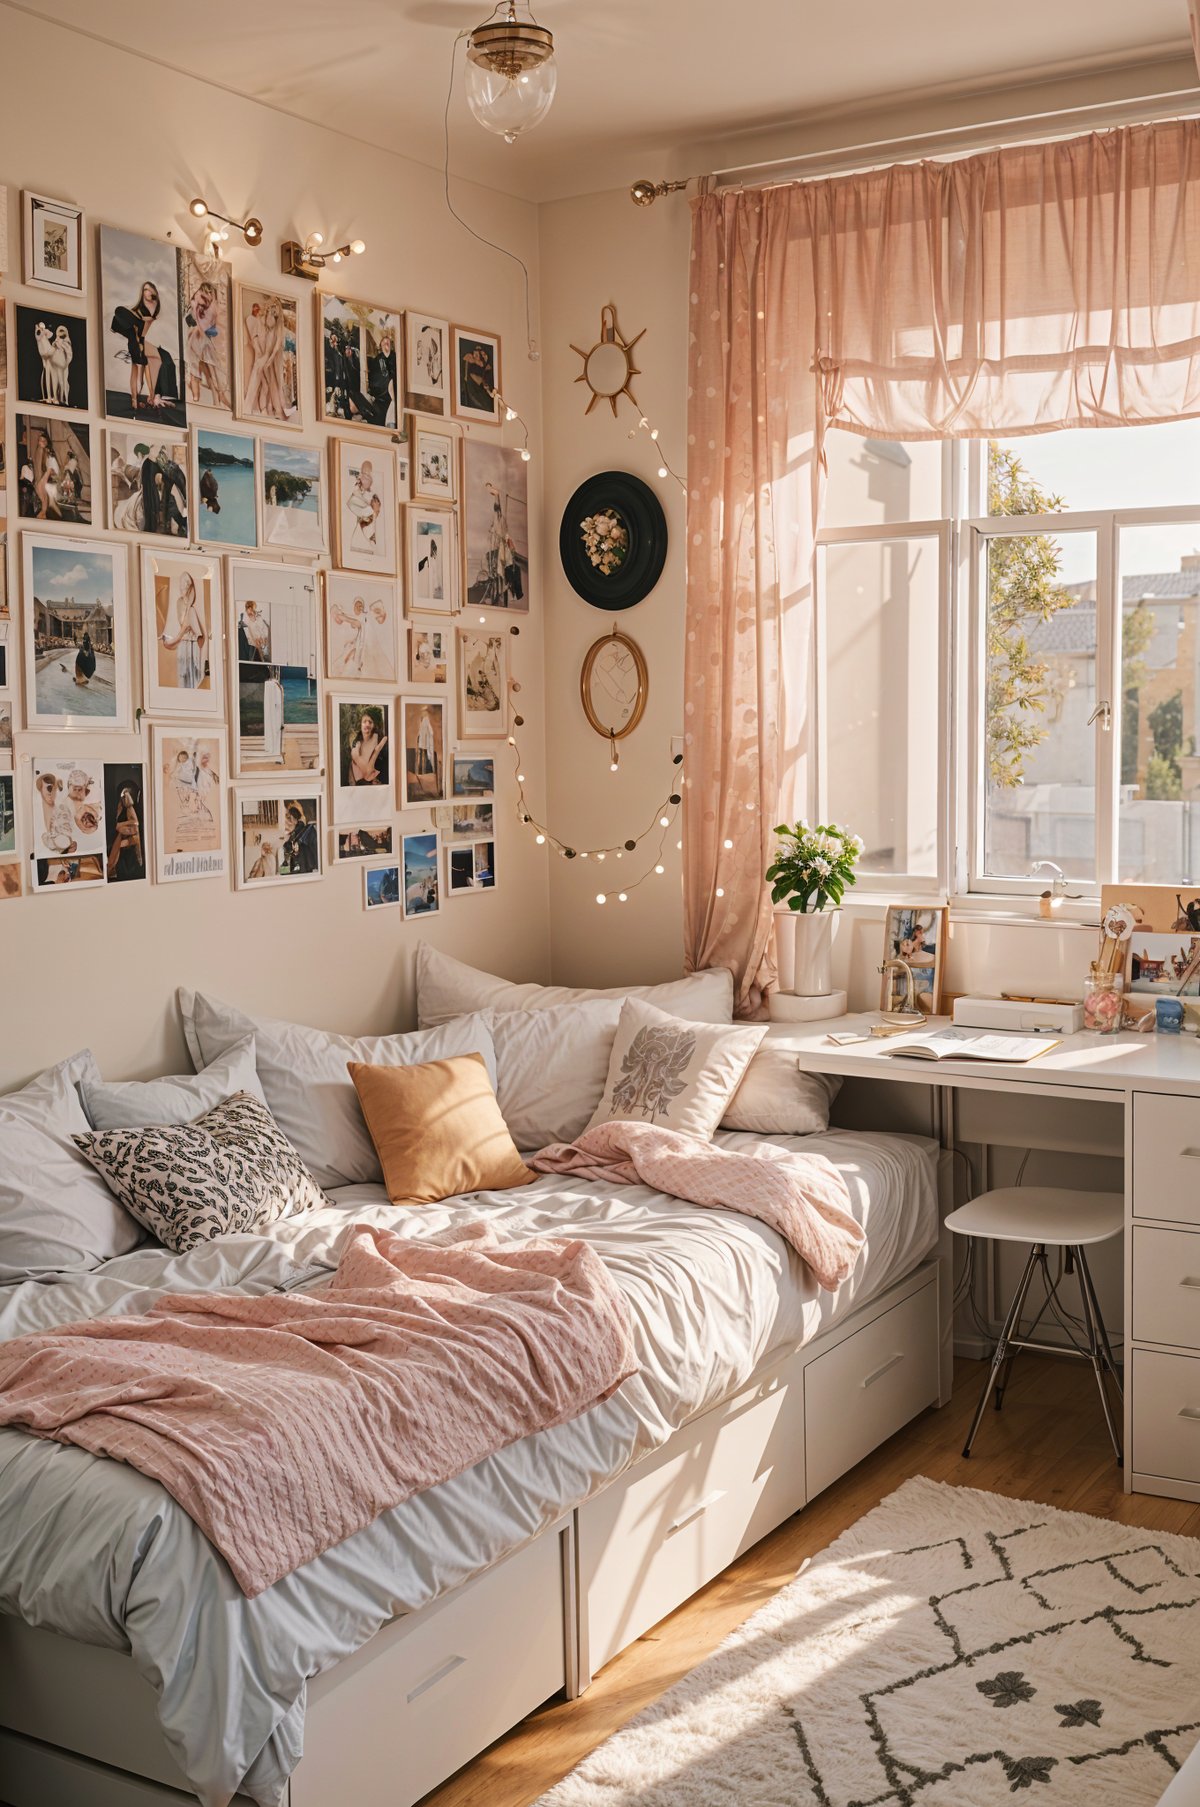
(132, 143)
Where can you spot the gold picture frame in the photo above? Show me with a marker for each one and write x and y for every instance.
(622, 680)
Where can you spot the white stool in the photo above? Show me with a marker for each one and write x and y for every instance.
(1046, 1216)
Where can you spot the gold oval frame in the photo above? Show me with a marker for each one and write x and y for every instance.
(643, 689)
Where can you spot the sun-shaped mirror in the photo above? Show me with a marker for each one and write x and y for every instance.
(608, 366)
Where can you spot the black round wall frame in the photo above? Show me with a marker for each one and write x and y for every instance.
(623, 520)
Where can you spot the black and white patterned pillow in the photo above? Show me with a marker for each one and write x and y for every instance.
(230, 1170)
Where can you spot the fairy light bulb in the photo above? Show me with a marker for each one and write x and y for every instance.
(654, 432)
(662, 470)
(521, 780)
(599, 856)
(660, 870)
(727, 845)
(540, 839)
(510, 414)
(526, 454)
(600, 897)
(664, 821)
(622, 897)
(720, 891)
(357, 246)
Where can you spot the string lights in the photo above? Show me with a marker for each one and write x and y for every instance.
(665, 467)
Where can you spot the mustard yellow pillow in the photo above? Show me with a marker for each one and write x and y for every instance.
(437, 1130)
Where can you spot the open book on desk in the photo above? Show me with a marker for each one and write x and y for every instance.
(971, 1044)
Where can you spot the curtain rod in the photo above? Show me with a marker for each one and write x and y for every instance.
(952, 141)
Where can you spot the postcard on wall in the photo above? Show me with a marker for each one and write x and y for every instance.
(182, 641)
(428, 655)
(482, 685)
(361, 757)
(465, 820)
(141, 329)
(361, 615)
(225, 488)
(476, 375)
(51, 353)
(426, 363)
(473, 775)
(207, 305)
(360, 346)
(76, 634)
(189, 805)
(148, 483)
(381, 887)
(420, 877)
(432, 567)
(68, 824)
(266, 356)
(278, 838)
(276, 705)
(125, 822)
(54, 469)
(423, 734)
(495, 527)
(366, 524)
(55, 244)
(370, 842)
(291, 497)
(470, 868)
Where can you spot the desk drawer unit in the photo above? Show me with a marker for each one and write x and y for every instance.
(1166, 1157)
(860, 1392)
(1166, 1287)
(1166, 1416)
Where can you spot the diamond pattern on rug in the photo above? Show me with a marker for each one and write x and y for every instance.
(952, 1649)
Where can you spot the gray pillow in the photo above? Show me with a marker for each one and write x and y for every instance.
(134, 1104)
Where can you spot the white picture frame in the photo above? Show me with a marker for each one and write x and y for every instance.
(359, 801)
(263, 833)
(349, 849)
(431, 560)
(426, 363)
(54, 240)
(472, 776)
(190, 766)
(67, 840)
(421, 875)
(470, 867)
(366, 521)
(280, 732)
(434, 462)
(183, 613)
(65, 568)
(381, 887)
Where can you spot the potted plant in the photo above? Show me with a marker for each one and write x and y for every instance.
(810, 875)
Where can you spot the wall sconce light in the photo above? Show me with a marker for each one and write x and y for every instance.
(251, 229)
(308, 259)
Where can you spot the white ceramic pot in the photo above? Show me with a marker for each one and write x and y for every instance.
(811, 959)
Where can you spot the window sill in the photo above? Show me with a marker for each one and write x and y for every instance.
(1005, 912)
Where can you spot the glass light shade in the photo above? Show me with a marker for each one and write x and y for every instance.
(510, 104)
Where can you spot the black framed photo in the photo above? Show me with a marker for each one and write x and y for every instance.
(613, 540)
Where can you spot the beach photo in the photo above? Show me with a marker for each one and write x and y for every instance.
(360, 346)
(277, 723)
(182, 655)
(125, 822)
(428, 655)
(360, 628)
(54, 469)
(266, 364)
(482, 685)
(279, 839)
(495, 527)
(148, 483)
(423, 732)
(422, 892)
(426, 363)
(143, 344)
(76, 633)
(206, 288)
(364, 506)
(432, 573)
(473, 775)
(361, 757)
(365, 843)
(189, 806)
(291, 497)
(381, 887)
(225, 489)
(51, 358)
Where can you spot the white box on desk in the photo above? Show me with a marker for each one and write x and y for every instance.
(1016, 1017)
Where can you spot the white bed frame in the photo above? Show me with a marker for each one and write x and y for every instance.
(431, 1690)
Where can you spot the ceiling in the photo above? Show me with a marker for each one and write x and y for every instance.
(639, 80)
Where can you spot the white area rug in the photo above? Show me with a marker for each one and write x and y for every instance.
(952, 1649)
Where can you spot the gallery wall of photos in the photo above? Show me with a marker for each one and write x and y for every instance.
(303, 621)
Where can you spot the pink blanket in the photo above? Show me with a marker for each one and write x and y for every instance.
(285, 1423)
(802, 1196)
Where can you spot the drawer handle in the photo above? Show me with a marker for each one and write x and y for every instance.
(696, 1511)
(880, 1372)
(1192, 1282)
(1191, 1412)
(439, 1675)
(1189, 1154)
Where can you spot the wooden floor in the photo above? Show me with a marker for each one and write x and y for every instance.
(1048, 1444)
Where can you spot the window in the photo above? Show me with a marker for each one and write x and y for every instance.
(1058, 579)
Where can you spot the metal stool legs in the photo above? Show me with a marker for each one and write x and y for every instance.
(1001, 1353)
(1099, 1350)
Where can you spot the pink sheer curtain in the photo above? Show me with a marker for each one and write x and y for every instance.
(1019, 291)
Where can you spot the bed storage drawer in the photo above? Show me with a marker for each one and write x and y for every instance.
(868, 1386)
(670, 1524)
(1166, 1157)
(1166, 1287)
(1166, 1415)
(430, 1691)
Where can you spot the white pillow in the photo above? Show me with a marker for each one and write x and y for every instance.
(672, 1073)
(56, 1214)
(162, 1103)
(551, 1066)
(306, 1083)
(447, 988)
(777, 1098)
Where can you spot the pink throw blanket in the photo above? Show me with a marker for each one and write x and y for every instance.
(283, 1424)
(802, 1196)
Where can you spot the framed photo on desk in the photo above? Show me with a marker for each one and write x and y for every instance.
(915, 934)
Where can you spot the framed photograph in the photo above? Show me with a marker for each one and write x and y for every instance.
(915, 934)
(10, 880)
(361, 757)
(6, 732)
(142, 329)
(381, 887)
(402, 452)
(466, 821)
(482, 684)
(6, 656)
(276, 703)
(422, 889)
(291, 496)
(476, 375)
(375, 840)
(68, 826)
(225, 489)
(473, 775)
(183, 667)
(495, 527)
(278, 838)
(361, 617)
(433, 464)
(76, 634)
(470, 868)
(8, 814)
(365, 519)
(423, 734)
(1162, 956)
(125, 822)
(52, 358)
(54, 469)
(432, 566)
(359, 362)
(189, 804)
(148, 483)
(428, 655)
(207, 352)
(266, 356)
(55, 244)
(426, 363)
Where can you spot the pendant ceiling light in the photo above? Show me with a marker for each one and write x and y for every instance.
(511, 72)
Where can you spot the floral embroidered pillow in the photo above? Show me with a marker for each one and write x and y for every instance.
(676, 1074)
(228, 1171)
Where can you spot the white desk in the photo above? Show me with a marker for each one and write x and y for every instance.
(1154, 1082)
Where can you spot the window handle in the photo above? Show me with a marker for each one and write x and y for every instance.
(1103, 711)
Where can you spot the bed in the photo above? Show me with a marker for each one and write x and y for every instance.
(94, 1552)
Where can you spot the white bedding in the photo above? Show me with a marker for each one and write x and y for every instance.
(97, 1552)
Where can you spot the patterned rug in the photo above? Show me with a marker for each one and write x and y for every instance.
(952, 1649)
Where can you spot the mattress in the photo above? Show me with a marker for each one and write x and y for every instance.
(98, 1552)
